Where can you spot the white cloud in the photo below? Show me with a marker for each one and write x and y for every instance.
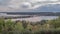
(23, 4)
(34, 1)
(17, 3)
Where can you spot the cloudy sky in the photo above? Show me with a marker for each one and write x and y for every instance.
(11, 5)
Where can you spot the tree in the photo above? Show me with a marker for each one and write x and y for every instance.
(55, 23)
(19, 26)
(2, 24)
(24, 24)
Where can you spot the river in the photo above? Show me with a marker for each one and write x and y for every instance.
(36, 18)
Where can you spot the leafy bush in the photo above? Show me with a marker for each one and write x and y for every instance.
(24, 27)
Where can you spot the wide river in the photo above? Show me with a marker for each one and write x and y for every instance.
(37, 18)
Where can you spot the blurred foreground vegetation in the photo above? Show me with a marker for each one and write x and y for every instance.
(26, 27)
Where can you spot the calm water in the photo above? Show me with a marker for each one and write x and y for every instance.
(37, 18)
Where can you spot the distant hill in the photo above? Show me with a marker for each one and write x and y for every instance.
(35, 13)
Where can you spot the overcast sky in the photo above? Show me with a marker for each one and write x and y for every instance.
(7, 5)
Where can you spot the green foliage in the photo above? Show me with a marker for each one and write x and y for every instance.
(54, 23)
(24, 24)
(9, 25)
(25, 27)
(2, 24)
(19, 26)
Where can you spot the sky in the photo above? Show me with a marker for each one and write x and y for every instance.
(12, 5)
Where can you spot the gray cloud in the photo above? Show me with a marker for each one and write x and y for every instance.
(11, 5)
